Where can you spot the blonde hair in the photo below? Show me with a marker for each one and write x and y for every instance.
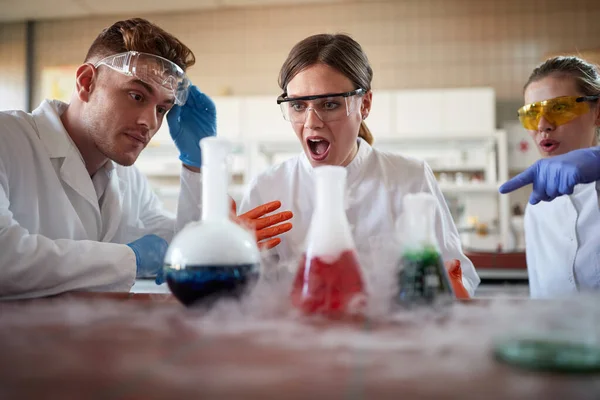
(337, 51)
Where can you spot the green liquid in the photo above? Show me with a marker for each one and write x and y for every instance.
(422, 277)
(549, 355)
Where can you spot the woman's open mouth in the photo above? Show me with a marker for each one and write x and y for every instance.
(549, 145)
(318, 147)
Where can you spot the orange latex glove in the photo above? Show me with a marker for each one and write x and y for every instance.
(265, 227)
(455, 275)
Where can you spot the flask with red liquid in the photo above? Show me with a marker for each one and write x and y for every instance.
(329, 280)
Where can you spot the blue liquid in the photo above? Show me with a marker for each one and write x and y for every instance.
(205, 284)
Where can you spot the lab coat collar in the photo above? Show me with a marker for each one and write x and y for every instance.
(50, 128)
(54, 136)
(59, 144)
(353, 169)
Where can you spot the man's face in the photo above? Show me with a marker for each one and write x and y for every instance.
(123, 114)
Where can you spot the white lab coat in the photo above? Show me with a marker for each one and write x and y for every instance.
(376, 184)
(562, 240)
(61, 230)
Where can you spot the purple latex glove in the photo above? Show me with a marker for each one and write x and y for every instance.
(558, 175)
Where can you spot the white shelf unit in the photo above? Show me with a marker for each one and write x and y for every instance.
(481, 153)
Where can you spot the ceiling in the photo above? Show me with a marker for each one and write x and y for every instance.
(21, 10)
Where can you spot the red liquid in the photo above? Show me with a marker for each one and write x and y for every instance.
(330, 288)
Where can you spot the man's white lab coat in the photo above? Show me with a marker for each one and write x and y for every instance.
(62, 230)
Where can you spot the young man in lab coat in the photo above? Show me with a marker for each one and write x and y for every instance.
(74, 213)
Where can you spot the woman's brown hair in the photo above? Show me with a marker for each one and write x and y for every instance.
(337, 51)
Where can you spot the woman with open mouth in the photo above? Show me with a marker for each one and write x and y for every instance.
(326, 83)
(562, 221)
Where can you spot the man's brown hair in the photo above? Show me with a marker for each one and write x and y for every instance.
(138, 34)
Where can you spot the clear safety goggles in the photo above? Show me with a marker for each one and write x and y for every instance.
(557, 111)
(328, 107)
(153, 70)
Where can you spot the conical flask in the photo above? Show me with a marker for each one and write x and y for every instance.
(329, 279)
(214, 257)
(422, 276)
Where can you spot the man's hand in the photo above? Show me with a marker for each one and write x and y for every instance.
(149, 253)
(190, 123)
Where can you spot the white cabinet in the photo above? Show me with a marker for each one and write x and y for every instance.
(229, 117)
(444, 112)
(382, 118)
(418, 113)
(261, 119)
(468, 111)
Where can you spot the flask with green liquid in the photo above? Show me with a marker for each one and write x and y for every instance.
(422, 277)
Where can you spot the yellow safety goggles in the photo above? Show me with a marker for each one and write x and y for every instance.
(557, 111)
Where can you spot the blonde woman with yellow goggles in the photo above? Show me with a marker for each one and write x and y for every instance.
(562, 221)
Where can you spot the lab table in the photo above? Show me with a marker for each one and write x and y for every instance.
(148, 346)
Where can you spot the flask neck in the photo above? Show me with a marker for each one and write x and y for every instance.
(418, 222)
(329, 232)
(215, 202)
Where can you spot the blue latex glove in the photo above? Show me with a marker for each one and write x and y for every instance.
(189, 123)
(558, 175)
(150, 253)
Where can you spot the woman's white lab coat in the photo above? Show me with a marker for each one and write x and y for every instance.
(376, 184)
(60, 229)
(562, 240)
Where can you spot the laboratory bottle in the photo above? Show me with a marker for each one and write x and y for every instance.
(329, 279)
(421, 274)
(212, 258)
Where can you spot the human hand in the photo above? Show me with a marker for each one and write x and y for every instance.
(265, 228)
(455, 275)
(190, 123)
(558, 175)
(150, 253)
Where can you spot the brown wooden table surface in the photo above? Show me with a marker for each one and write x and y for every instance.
(148, 346)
